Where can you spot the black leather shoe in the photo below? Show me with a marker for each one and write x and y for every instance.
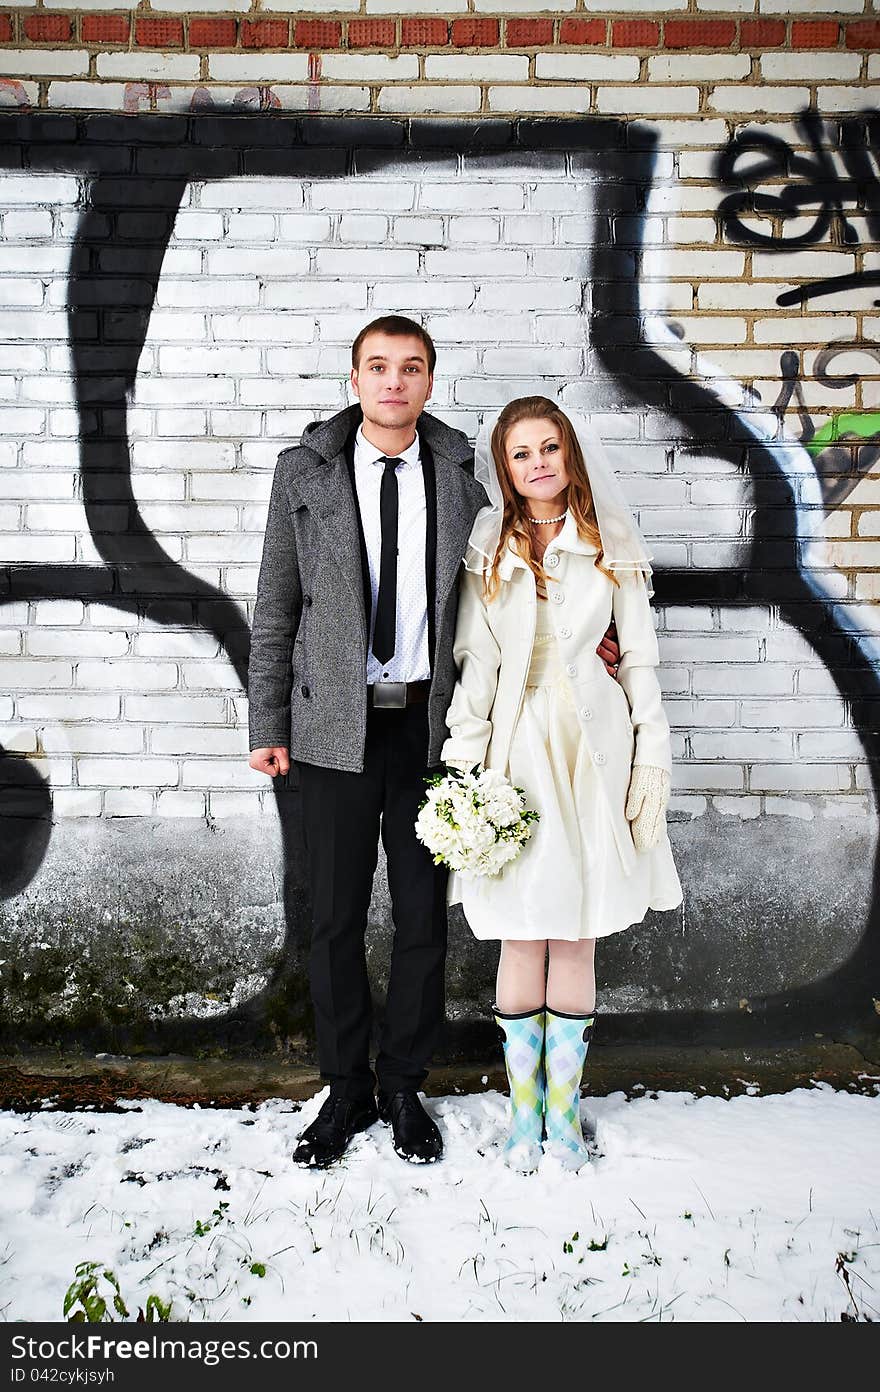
(416, 1136)
(327, 1138)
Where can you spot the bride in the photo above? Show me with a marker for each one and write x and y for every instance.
(554, 557)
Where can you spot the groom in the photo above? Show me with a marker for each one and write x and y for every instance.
(351, 673)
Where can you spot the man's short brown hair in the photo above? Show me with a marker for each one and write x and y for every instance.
(398, 326)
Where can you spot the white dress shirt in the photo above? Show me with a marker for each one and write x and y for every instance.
(410, 660)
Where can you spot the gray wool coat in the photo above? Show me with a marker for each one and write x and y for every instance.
(307, 670)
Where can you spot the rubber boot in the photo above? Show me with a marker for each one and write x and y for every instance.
(524, 1061)
(567, 1038)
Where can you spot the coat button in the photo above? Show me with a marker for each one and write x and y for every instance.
(307, 600)
(599, 757)
(552, 561)
(586, 713)
(557, 596)
(565, 632)
(305, 692)
(571, 670)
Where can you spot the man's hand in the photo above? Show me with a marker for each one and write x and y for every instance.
(271, 761)
(609, 651)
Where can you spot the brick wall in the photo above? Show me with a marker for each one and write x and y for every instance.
(742, 408)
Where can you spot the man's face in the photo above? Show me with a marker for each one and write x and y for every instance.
(392, 380)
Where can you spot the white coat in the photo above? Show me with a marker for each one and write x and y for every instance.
(622, 722)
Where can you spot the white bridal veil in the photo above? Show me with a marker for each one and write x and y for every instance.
(624, 548)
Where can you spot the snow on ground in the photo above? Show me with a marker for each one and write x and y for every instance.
(753, 1208)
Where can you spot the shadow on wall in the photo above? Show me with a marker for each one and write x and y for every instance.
(145, 163)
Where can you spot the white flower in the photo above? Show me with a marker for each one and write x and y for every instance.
(474, 823)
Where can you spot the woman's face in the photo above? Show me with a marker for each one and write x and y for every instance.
(535, 455)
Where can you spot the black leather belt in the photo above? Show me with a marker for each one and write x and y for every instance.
(396, 695)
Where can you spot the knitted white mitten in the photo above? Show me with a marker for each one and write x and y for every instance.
(646, 801)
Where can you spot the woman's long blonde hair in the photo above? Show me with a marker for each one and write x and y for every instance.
(515, 518)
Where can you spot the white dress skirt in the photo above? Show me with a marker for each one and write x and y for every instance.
(558, 886)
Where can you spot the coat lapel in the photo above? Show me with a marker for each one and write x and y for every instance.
(326, 491)
(459, 499)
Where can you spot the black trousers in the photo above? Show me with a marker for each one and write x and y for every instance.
(341, 815)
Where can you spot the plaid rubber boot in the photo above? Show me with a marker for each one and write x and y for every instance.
(524, 1061)
(566, 1041)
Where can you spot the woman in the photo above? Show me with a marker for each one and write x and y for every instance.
(554, 556)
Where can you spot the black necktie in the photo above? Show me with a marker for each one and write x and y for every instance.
(384, 635)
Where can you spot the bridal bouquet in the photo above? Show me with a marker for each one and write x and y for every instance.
(476, 822)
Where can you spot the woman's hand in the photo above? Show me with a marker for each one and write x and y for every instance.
(609, 650)
(646, 802)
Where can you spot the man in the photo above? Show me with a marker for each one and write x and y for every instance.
(351, 673)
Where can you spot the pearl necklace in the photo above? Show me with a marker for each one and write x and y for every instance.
(548, 521)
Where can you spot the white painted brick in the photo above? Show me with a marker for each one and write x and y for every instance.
(689, 777)
(869, 525)
(224, 548)
(94, 643)
(746, 807)
(125, 802)
(324, 98)
(425, 294)
(251, 227)
(10, 642)
(674, 680)
(16, 483)
(465, 196)
(233, 804)
(259, 262)
(28, 223)
(88, 96)
(234, 424)
(514, 361)
(369, 67)
(192, 391)
(476, 264)
(573, 100)
(222, 360)
(418, 229)
(587, 67)
(179, 423)
(28, 293)
(127, 773)
(19, 358)
(204, 6)
(128, 675)
(262, 328)
(254, 194)
(98, 738)
(731, 98)
(76, 802)
(788, 807)
(258, 67)
(176, 804)
(191, 294)
(842, 98)
(868, 586)
(802, 265)
(864, 778)
(800, 777)
(428, 7)
(483, 67)
(241, 580)
(742, 745)
(242, 485)
(540, 6)
(371, 227)
(179, 739)
(630, 101)
(698, 67)
(687, 806)
(784, 331)
(369, 263)
(163, 67)
(744, 619)
(696, 265)
(23, 675)
(712, 714)
(789, 67)
(18, 739)
(533, 294)
(227, 773)
(691, 229)
(5, 707)
(429, 98)
(24, 325)
(38, 548)
(45, 62)
(183, 710)
(310, 294)
(79, 704)
(198, 226)
(853, 805)
(312, 392)
(792, 713)
(678, 135)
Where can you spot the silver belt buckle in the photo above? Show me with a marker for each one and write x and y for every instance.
(389, 695)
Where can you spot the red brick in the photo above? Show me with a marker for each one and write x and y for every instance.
(212, 33)
(582, 31)
(475, 33)
(424, 33)
(761, 33)
(45, 28)
(265, 33)
(159, 33)
(699, 33)
(819, 33)
(863, 33)
(371, 33)
(317, 33)
(529, 33)
(5, 29)
(112, 29)
(634, 33)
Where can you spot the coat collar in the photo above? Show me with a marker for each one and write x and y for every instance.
(569, 539)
